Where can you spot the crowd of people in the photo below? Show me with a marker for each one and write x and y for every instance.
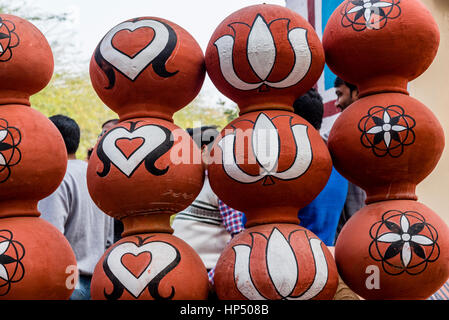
(208, 224)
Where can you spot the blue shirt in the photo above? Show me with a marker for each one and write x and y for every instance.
(322, 214)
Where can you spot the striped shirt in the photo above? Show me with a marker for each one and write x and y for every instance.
(442, 293)
(233, 222)
(201, 226)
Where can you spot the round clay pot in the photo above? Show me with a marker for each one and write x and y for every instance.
(144, 166)
(386, 144)
(264, 57)
(276, 262)
(395, 249)
(269, 161)
(36, 260)
(33, 159)
(26, 60)
(150, 266)
(139, 62)
(380, 45)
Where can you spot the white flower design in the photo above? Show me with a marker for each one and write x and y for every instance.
(4, 245)
(281, 265)
(386, 128)
(403, 238)
(265, 141)
(3, 135)
(261, 52)
(366, 8)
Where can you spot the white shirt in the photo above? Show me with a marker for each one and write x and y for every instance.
(71, 210)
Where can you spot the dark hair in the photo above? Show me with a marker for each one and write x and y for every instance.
(108, 121)
(203, 136)
(69, 130)
(103, 131)
(340, 82)
(310, 107)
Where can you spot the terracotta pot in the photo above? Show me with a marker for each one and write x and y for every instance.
(395, 249)
(276, 262)
(150, 266)
(266, 162)
(144, 166)
(29, 141)
(36, 260)
(380, 45)
(264, 57)
(26, 60)
(386, 144)
(139, 62)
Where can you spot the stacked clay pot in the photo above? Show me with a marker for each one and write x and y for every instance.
(34, 255)
(146, 168)
(269, 162)
(387, 142)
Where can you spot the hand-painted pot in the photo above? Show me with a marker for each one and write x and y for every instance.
(380, 45)
(264, 57)
(26, 60)
(386, 144)
(35, 260)
(276, 262)
(150, 266)
(266, 162)
(33, 159)
(147, 67)
(144, 166)
(395, 249)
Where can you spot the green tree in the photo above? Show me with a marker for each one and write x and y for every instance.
(24, 9)
(58, 28)
(198, 113)
(231, 112)
(75, 97)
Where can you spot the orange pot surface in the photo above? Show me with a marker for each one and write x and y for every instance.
(145, 166)
(276, 262)
(386, 144)
(395, 249)
(33, 159)
(147, 67)
(380, 45)
(153, 266)
(26, 60)
(270, 161)
(264, 57)
(36, 259)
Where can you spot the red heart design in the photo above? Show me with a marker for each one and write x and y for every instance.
(136, 264)
(128, 146)
(131, 43)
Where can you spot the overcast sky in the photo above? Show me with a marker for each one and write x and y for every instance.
(93, 18)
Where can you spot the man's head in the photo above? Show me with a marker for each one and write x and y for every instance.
(310, 107)
(108, 124)
(346, 93)
(69, 130)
